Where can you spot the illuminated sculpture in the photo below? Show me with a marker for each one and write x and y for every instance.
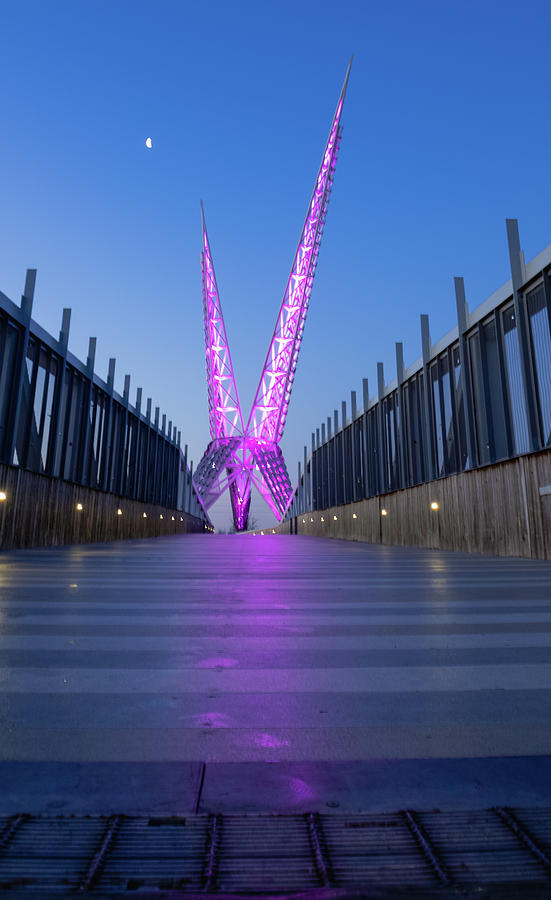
(239, 454)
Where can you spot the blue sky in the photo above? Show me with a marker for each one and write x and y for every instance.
(446, 133)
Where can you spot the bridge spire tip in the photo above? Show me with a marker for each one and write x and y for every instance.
(346, 77)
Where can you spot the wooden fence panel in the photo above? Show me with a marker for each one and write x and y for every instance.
(41, 511)
(498, 510)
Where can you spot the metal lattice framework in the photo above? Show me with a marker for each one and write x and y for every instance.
(238, 456)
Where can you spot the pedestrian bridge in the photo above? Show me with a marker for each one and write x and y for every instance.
(454, 453)
(338, 691)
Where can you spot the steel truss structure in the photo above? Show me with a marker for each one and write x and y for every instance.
(239, 455)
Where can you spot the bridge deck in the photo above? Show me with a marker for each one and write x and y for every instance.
(376, 677)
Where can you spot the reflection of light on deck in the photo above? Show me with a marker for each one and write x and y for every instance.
(211, 720)
(301, 790)
(217, 662)
(269, 741)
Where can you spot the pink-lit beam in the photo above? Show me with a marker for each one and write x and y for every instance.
(269, 410)
(225, 417)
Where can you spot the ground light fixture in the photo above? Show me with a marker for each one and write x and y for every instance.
(322, 519)
(335, 518)
(3, 496)
(384, 512)
(435, 506)
(119, 512)
(354, 516)
(311, 520)
(144, 515)
(161, 516)
(79, 507)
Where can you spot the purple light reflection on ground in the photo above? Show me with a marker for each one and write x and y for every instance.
(211, 720)
(217, 662)
(301, 790)
(269, 741)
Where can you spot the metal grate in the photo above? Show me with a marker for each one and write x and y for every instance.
(266, 853)
(167, 853)
(537, 823)
(49, 853)
(275, 854)
(374, 849)
(478, 847)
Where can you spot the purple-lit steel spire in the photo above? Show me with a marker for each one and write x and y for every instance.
(237, 456)
(222, 464)
(224, 409)
(269, 410)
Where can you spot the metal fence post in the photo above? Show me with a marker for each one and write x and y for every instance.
(125, 449)
(401, 424)
(19, 367)
(335, 460)
(353, 415)
(353, 405)
(324, 468)
(330, 463)
(465, 381)
(138, 448)
(547, 295)
(179, 445)
(381, 429)
(107, 461)
(190, 494)
(305, 497)
(343, 452)
(186, 479)
(365, 457)
(429, 438)
(168, 467)
(60, 396)
(154, 498)
(518, 277)
(142, 490)
(83, 472)
(313, 474)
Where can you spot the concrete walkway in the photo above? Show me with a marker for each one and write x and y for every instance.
(275, 672)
